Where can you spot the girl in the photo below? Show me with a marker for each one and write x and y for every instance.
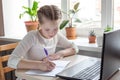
(30, 54)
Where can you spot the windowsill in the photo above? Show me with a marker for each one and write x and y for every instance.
(13, 37)
(83, 44)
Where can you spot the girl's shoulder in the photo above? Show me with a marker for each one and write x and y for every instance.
(31, 34)
(60, 34)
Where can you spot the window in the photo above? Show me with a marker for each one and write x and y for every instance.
(90, 13)
(13, 26)
(116, 13)
(93, 14)
(50, 2)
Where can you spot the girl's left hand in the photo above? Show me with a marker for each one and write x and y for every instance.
(54, 57)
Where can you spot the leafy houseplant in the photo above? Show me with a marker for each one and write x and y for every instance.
(32, 24)
(108, 28)
(92, 36)
(71, 31)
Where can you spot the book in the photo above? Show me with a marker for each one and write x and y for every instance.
(60, 65)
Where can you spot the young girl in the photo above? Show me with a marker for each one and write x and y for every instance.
(30, 53)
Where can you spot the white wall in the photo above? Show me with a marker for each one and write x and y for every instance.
(14, 27)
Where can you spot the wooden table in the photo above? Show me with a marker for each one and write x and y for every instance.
(74, 60)
(116, 76)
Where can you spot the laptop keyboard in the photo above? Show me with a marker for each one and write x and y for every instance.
(89, 73)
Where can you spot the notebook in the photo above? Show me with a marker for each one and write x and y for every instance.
(98, 68)
(60, 65)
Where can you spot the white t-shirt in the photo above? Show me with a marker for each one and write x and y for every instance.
(33, 44)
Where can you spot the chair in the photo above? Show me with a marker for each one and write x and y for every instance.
(4, 58)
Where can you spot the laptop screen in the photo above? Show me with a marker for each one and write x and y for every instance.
(110, 54)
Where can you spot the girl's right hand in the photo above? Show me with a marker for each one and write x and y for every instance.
(47, 66)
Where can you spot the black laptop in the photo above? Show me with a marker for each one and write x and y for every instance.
(94, 68)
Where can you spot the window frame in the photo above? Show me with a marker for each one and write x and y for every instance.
(107, 17)
(107, 13)
(106, 7)
(2, 33)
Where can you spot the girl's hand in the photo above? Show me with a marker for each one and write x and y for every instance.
(46, 65)
(53, 57)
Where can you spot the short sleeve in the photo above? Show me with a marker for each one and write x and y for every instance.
(20, 51)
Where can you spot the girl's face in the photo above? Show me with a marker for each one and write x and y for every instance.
(49, 28)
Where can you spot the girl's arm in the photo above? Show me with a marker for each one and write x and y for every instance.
(66, 52)
(60, 54)
(70, 48)
(40, 65)
(17, 60)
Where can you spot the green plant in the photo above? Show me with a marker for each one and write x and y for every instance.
(71, 13)
(108, 28)
(32, 12)
(92, 33)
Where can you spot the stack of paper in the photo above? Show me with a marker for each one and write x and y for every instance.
(60, 65)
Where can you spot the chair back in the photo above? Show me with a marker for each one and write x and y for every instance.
(4, 58)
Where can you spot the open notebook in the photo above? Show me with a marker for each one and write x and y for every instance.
(60, 65)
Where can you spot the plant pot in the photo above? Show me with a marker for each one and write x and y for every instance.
(31, 25)
(92, 39)
(71, 32)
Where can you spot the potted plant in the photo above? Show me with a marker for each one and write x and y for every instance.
(32, 24)
(92, 36)
(108, 28)
(71, 30)
(100, 38)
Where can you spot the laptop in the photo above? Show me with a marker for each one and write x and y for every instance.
(97, 68)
